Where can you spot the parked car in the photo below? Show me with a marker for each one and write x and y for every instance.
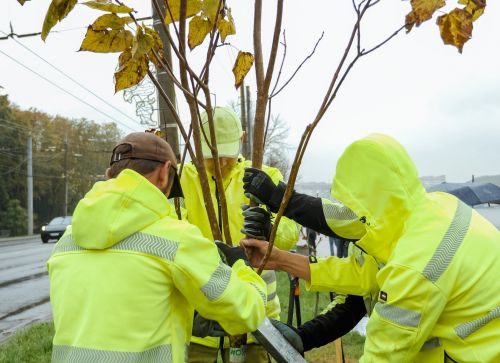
(55, 229)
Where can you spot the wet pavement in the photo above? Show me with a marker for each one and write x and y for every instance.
(24, 283)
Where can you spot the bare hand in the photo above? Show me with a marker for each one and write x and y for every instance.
(256, 250)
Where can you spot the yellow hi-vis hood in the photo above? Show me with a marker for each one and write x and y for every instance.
(378, 181)
(116, 209)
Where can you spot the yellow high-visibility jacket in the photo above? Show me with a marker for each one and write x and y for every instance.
(286, 237)
(431, 351)
(127, 275)
(351, 275)
(441, 258)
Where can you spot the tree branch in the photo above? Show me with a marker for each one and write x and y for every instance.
(328, 99)
(300, 66)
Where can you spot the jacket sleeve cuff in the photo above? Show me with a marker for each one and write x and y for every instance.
(315, 268)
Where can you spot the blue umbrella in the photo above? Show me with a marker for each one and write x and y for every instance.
(470, 193)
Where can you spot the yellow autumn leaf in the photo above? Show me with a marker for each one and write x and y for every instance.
(124, 57)
(108, 6)
(157, 45)
(474, 7)
(193, 7)
(422, 10)
(106, 41)
(142, 44)
(210, 9)
(110, 21)
(131, 72)
(58, 9)
(198, 30)
(226, 27)
(243, 64)
(455, 27)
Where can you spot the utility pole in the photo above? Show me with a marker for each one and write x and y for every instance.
(29, 183)
(166, 120)
(65, 177)
(243, 112)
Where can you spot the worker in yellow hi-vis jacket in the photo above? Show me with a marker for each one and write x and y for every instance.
(439, 259)
(126, 277)
(229, 137)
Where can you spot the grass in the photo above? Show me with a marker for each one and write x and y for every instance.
(31, 345)
(34, 344)
(352, 342)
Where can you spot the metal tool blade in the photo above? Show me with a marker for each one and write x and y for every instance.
(279, 348)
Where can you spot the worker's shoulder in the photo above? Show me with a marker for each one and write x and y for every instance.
(174, 229)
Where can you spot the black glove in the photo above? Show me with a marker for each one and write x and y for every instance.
(206, 328)
(231, 254)
(290, 334)
(256, 222)
(259, 187)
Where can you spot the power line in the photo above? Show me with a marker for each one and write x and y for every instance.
(71, 78)
(67, 92)
(13, 125)
(14, 168)
(12, 34)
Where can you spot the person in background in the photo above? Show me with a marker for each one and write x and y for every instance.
(311, 236)
(427, 245)
(126, 276)
(341, 246)
(229, 136)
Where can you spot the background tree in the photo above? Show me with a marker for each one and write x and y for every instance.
(276, 148)
(80, 145)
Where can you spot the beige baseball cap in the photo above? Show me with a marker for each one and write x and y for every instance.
(228, 133)
(148, 146)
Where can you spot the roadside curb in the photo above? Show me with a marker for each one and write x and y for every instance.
(11, 239)
(8, 333)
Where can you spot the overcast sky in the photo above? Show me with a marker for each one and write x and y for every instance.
(443, 106)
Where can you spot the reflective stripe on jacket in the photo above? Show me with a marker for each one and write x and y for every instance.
(126, 277)
(286, 237)
(432, 350)
(442, 259)
(351, 275)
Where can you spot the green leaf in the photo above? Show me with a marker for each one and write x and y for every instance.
(107, 41)
(108, 6)
(58, 10)
(110, 21)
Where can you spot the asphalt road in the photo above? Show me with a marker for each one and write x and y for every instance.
(24, 283)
